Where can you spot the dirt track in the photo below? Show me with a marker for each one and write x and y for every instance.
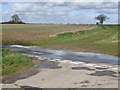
(81, 29)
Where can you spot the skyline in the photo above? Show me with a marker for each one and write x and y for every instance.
(60, 12)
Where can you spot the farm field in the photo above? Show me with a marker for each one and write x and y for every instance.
(87, 38)
(22, 34)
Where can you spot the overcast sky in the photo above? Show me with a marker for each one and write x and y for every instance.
(60, 12)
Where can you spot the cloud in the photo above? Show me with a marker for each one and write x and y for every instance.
(61, 12)
(105, 7)
(96, 5)
(38, 9)
(59, 1)
(21, 7)
(108, 11)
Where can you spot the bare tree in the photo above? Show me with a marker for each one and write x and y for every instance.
(101, 18)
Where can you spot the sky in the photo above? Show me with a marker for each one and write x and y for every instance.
(61, 12)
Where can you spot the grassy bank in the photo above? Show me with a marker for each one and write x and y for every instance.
(101, 39)
(13, 61)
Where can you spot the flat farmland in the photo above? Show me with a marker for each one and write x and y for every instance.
(24, 33)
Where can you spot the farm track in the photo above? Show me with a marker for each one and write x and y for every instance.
(81, 29)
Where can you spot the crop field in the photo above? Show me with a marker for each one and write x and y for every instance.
(83, 38)
(23, 34)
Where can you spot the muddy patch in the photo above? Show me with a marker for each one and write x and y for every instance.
(48, 64)
(30, 88)
(21, 75)
(30, 72)
(104, 73)
(101, 67)
(82, 68)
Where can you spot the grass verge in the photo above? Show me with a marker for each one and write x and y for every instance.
(13, 61)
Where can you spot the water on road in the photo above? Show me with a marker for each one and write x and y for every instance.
(40, 53)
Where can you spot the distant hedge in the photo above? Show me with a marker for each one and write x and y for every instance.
(13, 22)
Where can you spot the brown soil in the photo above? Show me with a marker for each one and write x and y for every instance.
(25, 35)
(116, 41)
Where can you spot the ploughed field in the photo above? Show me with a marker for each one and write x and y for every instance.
(23, 33)
(82, 38)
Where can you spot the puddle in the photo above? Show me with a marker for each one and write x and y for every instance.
(33, 51)
(101, 67)
(30, 88)
(104, 73)
(81, 68)
(48, 64)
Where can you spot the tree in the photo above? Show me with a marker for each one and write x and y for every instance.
(15, 18)
(101, 18)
